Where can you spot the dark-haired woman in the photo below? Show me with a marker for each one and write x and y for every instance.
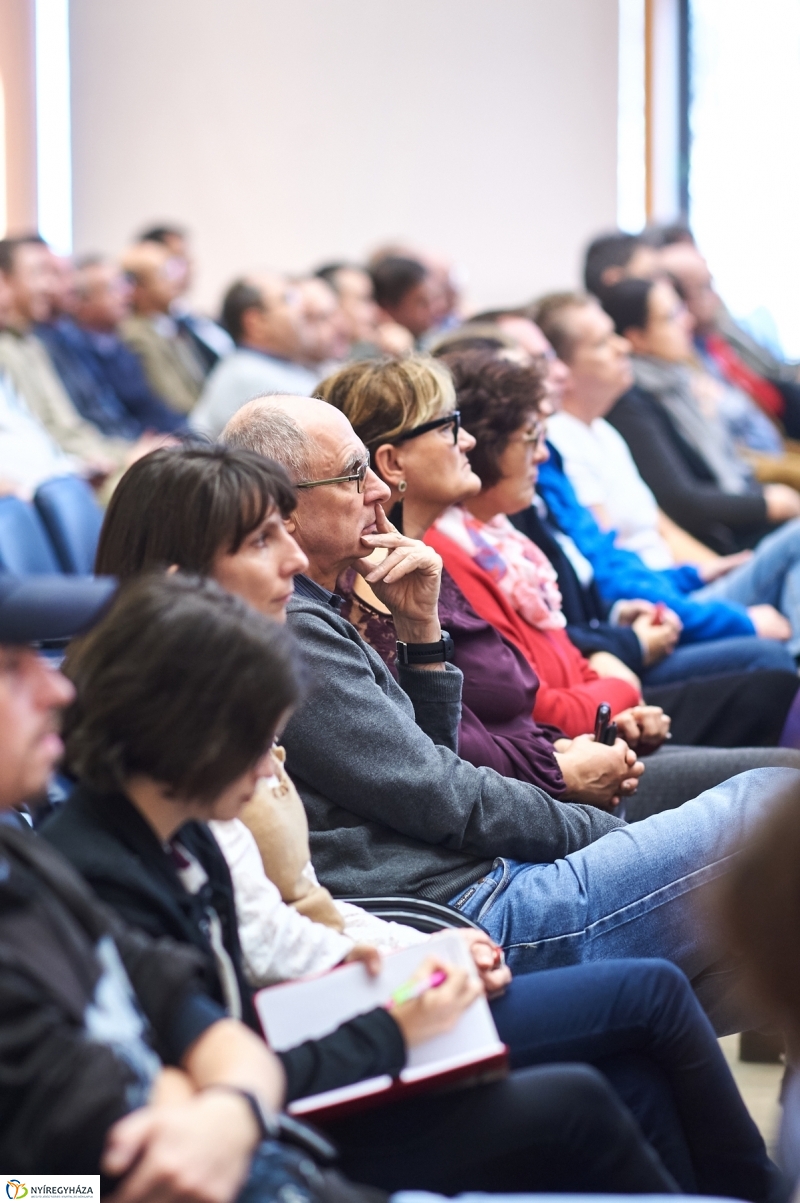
(638, 1022)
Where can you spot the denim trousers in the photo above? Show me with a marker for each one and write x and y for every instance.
(640, 1024)
(643, 890)
(719, 656)
(771, 577)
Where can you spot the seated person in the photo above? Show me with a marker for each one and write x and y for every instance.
(178, 694)
(172, 363)
(263, 317)
(406, 293)
(393, 809)
(210, 340)
(682, 450)
(391, 406)
(324, 327)
(28, 284)
(367, 333)
(606, 479)
(101, 374)
(113, 1057)
(616, 575)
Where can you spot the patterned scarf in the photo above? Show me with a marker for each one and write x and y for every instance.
(517, 566)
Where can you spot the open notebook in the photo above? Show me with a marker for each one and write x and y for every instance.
(308, 1009)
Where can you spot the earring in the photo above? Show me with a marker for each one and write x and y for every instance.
(402, 486)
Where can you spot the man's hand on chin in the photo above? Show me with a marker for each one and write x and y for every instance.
(407, 581)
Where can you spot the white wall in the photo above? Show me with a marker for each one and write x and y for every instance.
(287, 132)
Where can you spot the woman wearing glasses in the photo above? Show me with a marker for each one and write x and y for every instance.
(512, 646)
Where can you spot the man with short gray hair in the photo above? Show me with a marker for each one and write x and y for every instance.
(392, 807)
(263, 316)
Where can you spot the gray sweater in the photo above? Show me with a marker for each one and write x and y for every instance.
(391, 806)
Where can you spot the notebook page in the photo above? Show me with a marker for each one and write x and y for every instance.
(309, 1009)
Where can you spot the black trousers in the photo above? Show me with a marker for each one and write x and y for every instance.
(732, 711)
(556, 1128)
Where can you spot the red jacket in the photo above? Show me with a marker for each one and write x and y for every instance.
(569, 689)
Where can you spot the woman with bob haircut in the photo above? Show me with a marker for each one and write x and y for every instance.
(638, 1022)
(511, 644)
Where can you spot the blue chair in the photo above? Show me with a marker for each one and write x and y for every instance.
(24, 546)
(72, 519)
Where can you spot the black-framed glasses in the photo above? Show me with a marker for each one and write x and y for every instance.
(359, 476)
(453, 419)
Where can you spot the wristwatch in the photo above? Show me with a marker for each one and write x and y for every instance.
(426, 653)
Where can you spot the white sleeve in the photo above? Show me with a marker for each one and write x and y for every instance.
(364, 928)
(278, 943)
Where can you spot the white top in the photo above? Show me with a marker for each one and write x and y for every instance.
(603, 474)
(278, 943)
(28, 454)
(240, 377)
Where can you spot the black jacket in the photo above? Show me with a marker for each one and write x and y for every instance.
(116, 851)
(59, 1092)
(683, 483)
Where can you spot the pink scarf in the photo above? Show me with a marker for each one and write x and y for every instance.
(517, 566)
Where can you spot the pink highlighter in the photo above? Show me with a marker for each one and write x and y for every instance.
(412, 990)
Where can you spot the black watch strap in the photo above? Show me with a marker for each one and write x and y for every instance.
(426, 653)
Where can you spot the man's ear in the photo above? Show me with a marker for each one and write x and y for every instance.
(173, 568)
(388, 463)
(291, 522)
(611, 275)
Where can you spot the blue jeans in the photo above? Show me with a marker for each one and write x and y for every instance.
(720, 656)
(642, 890)
(771, 577)
(639, 1023)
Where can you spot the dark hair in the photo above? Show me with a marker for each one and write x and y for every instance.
(494, 397)
(490, 316)
(162, 233)
(329, 271)
(10, 246)
(240, 297)
(608, 250)
(626, 304)
(395, 276)
(182, 682)
(667, 235)
(184, 505)
(460, 340)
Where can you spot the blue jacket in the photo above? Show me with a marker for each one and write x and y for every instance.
(106, 382)
(622, 574)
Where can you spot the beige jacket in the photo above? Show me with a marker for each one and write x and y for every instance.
(277, 819)
(25, 360)
(170, 363)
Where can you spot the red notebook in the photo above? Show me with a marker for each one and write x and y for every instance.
(311, 1008)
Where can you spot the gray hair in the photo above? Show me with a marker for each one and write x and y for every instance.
(271, 432)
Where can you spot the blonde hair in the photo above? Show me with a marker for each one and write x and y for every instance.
(384, 398)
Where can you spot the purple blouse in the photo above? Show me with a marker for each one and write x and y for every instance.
(497, 728)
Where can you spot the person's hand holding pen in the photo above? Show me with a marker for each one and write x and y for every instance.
(439, 1007)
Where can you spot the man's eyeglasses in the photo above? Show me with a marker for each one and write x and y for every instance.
(359, 476)
(453, 419)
